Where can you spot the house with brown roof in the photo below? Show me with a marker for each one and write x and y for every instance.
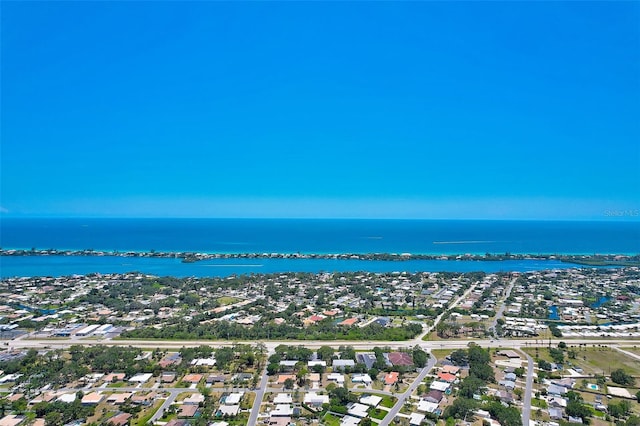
(15, 397)
(176, 422)
(168, 377)
(401, 359)
(170, 359)
(120, 419)
(192, 378)
(434, 396)
(194, 399)
(451, 369)
(118, 398)
(11, 420)
(93, 398)
(187, 410)
(114, 377)
(43, 397)
(143, 399)
(283, 378)
(214, 378)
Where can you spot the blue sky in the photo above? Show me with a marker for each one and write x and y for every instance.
(496, 110)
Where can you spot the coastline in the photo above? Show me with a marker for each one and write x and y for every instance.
(190, 257)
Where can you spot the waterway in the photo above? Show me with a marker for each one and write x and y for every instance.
(56, 266)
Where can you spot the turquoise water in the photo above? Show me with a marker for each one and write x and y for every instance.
(301, 236)
(22, 266)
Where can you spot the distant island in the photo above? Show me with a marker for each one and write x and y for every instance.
(189, 257)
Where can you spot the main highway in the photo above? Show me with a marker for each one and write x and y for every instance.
(311, 344)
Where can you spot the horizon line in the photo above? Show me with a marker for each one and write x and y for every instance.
(603, 219)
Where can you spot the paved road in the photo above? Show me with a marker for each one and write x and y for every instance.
(173, 394)
(402, 398)
(437, 320)
(631, 354)
(312, 344)
(503, 305)
(255, 410)
(526, 401)
(442, 344)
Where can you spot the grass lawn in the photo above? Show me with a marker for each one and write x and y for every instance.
(593, 360)
(145, 415)
(377, 413)
(247, 401)
(227, 300)
(598, 360)
(535, 402)
(388, 401)
(117, 385)
(241, 419)
(377, 385)
(440, 354)
(330, 420)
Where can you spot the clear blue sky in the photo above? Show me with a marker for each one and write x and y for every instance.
(321, 109)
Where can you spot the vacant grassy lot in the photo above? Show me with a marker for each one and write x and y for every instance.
(227, 300)
(440, 354)
(598, 360)
(634, 350)
(594, 360)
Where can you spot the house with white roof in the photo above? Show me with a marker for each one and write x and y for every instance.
(233, 398)
(361, 378)
(357, 410)
(337, 377)
(350, 421)
(416, 419)
(67, 397)
(440, 386)
(282, 410)
(371, 400)
(141, 378)
(427, 407)
(312, 398)
(341, 364)
(283, 398)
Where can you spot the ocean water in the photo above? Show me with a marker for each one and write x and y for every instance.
(301, 236)
(323, 236)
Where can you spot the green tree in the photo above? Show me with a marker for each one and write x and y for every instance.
(273, 368)
(461, 408)
(621, 377)
(633, 421)
(577, 409)
(419, 356)
(459, 357)
(325, 353)
(470, 386)
(53, 418)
